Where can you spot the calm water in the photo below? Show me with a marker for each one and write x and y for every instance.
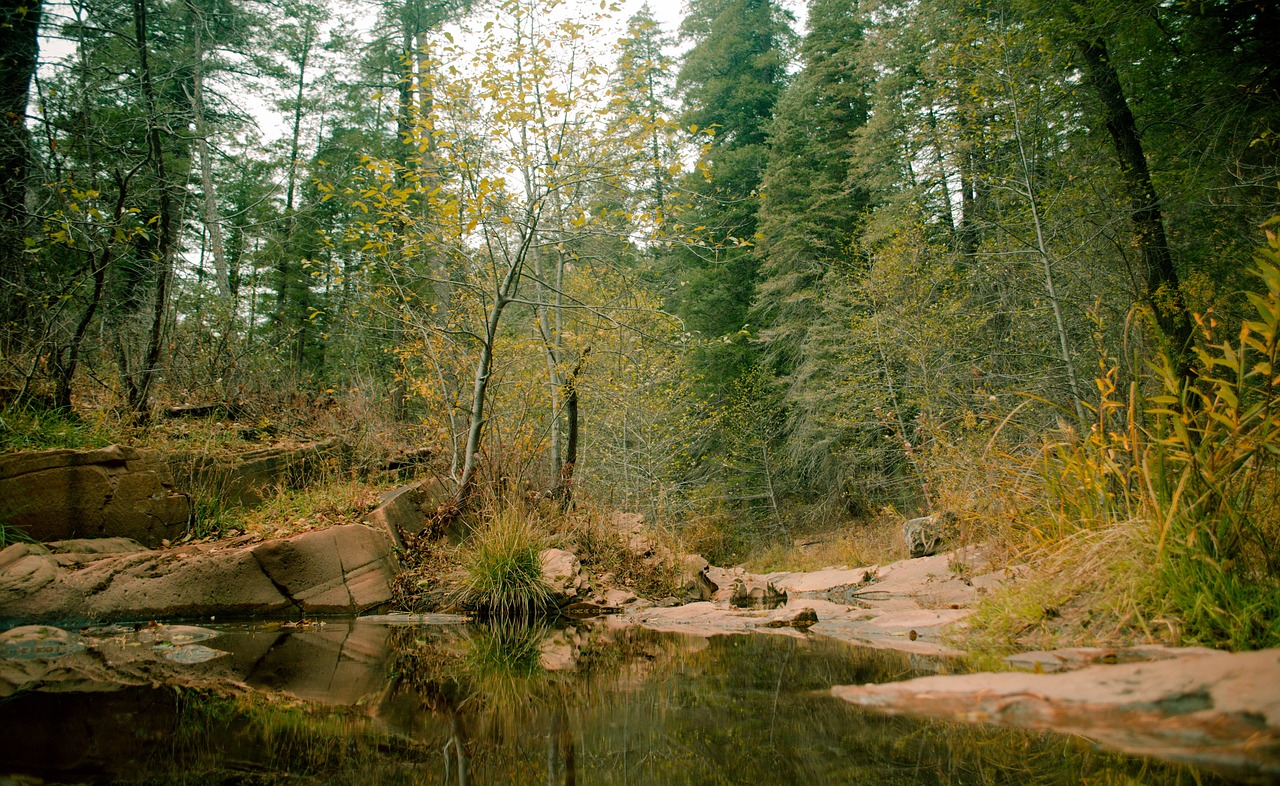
(361, 703)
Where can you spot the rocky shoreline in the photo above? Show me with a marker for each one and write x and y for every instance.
(1181, 704)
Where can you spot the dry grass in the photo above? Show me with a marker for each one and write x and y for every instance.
(877, 541)
(591, 534)
(325, 505)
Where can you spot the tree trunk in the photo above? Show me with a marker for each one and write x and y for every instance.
(1163, 292)
(212, 221)
(166, 243)
(564, 485)
(19, 52)
(480, 387)
(68, 359)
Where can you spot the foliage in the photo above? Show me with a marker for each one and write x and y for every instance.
(1184, 479)
(503, 572)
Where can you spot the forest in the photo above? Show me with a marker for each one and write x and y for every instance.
(755, 279)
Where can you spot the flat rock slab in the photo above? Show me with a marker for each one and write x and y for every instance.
(341, 570)
(1205, 708)
(906, 606)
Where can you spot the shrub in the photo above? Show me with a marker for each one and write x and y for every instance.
(503, 574)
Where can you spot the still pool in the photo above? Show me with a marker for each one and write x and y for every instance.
(357, 702)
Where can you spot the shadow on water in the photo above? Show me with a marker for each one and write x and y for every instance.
(355, 703)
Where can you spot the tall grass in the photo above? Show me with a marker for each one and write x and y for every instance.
(28, 427)
(1187, 472)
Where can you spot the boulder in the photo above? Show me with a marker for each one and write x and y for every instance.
(407, 511)
(927, 534)
(115, 491)
(340, 570)
(694, 583)
(563, 571)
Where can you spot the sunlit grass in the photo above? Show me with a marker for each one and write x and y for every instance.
(31, 428)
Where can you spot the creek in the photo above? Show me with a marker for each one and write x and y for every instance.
(359, 702)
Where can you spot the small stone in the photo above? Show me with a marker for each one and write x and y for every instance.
(800, 618)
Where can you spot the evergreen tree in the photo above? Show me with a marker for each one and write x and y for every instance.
(643, 92)
(809, 214)
(730, 80)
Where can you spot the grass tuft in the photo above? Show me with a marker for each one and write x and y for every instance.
(503, 574)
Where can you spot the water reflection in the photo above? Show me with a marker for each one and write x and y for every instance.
(357, 703)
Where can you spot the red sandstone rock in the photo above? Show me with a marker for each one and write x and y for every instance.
(112, 492)
(1213, 708)
(340, 570)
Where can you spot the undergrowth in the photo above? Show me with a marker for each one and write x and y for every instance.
(646, 561)
(1162, 521)
(32, 428)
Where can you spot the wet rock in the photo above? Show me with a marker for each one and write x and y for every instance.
(111, 492)
(755, 592)
(175, 635)
(344, 569)
(563, 571)
(1219, 709)
(927, 534)
(794, 618)
(38, 641)
(694, 583)
(192, 653)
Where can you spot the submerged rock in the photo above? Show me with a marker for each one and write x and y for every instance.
(38, 642)
(192, 653)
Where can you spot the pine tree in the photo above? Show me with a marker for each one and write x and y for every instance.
(808, 216)
(731, 80)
